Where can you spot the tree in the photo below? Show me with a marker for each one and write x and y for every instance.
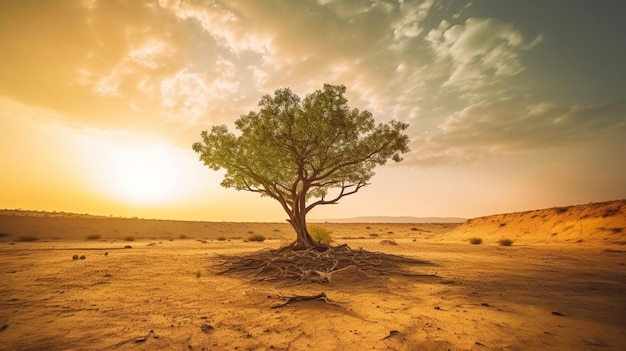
(296, 152)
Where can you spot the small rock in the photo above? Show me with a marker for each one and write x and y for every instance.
(75, 257)
(128, 247)
(206, 327)
(557, 313)
(4, 327)
(106, 254)
(82, 257)
(141, 339)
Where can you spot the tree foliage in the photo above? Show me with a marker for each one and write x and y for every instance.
(302, 153)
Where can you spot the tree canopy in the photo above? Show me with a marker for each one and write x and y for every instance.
(302, 153)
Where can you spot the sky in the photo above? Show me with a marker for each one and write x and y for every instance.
(512, 105)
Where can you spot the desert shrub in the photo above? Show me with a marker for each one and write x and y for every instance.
(560, 210)
(388, 242)
(27, 238)
(475, 241)
(4, 234)
(414, 229)
(93, 237)
(221, 238)
(505, 242)
(129, 238)
(182, 236)
(502, 224)
(321, 235)
(256, 237)
(610, 212)
(373, 235)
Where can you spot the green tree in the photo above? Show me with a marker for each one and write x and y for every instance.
(302, 153)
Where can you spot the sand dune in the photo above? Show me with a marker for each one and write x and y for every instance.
(597, 223)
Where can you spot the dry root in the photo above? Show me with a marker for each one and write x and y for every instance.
(321, 296)
(305, 266)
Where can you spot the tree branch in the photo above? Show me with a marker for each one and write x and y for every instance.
(342, 193)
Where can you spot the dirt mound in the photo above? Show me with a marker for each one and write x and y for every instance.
(596, 223)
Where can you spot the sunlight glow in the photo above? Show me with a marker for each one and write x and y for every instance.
(145, 174)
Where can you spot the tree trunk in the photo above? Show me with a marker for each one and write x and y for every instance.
(303, 241)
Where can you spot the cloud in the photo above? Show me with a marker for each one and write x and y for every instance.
(480, 51)
(228, 28)
(409, 25)
(492, 129)
(124, 65)
(177, 65)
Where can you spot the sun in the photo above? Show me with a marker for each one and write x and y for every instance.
(146, 174)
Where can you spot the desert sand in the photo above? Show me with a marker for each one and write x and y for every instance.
(561, 285)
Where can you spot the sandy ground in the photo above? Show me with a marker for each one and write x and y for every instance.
(163, 295)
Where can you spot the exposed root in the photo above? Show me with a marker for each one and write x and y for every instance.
(321, 296)
(305, 266)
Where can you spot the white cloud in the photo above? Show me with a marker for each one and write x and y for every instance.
(480, 51)
(229, 29)
(107, 86)
(185, 96)
(409, 24)
(149, 54)
(490, 129)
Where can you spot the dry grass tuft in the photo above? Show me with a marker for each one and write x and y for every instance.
(505, 242)
(475, 241)
(320, 234)
(27, 238)
(560, 210)
(609, 212)
(256, 237)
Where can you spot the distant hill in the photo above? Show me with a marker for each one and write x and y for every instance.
(390, 219)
